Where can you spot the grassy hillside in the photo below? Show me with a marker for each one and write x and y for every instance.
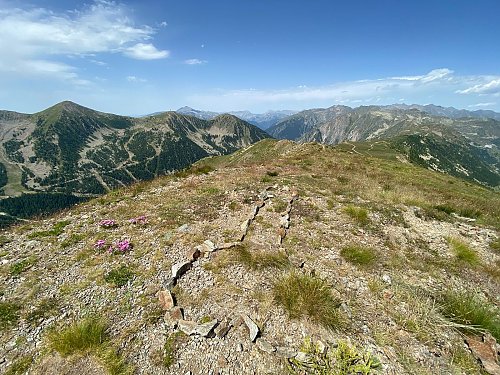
(346, 260)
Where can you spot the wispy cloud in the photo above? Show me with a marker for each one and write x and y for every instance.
(194, 62)
(41, 37)
(135, 79)
(429, 87)
(491, 87)
(482, 105)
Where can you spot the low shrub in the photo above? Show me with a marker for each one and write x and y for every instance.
(345, 359)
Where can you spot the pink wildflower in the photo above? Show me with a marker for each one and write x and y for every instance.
(99, 244)
(107, 223)
(139, 220)
(124, 245)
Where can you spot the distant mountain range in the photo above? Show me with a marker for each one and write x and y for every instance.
(468, 147)
(262, 120)
(451, 112)
(78, 152)
(75, 150)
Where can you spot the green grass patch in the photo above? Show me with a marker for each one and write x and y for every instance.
(358, 214)
(195, 170)
(463, 252)
(280, 206)
(9, 314)
(20, 366)
(72, 240)
(345, 359)
(89, 336)
(303, 295)
(495, 244)
(19, 267)
(56, 230)
(119, 276)
(471, 310)
(257, 260)
(272, 173)
(359, 255)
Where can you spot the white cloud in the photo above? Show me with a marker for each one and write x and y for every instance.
(481, 105)
(194, 62)
(433, 75)
(135, 79)
(33, 35)
(492, 87)
(142, 51)
(439, 86)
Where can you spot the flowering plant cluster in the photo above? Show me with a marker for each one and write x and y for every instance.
(139, 220)
(107, 223)
(99, 244)
(116, 247)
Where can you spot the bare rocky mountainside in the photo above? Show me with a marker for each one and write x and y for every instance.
(467, 147)
(281, 258)
(74, 150)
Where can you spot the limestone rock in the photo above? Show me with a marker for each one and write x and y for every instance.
(264, 345)
(236, 322)
(184, 228)
(206, 328)
(166, 299)
(386, 279)
(173, 316)
(187, 326)
(169, 283)
(252, 327)
(222, 330)
(209, 246)
(302, 357)
(320, 347)
(285, 352)
(485, 352)
(244, 226)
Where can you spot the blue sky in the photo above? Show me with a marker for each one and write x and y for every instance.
(140, 56)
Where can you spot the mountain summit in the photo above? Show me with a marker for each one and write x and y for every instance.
(75, 150)
(278, 258)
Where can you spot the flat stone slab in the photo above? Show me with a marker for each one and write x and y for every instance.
(265, 346)
(187, 326)
(179, 269)
(253, 329)
(206, 328)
